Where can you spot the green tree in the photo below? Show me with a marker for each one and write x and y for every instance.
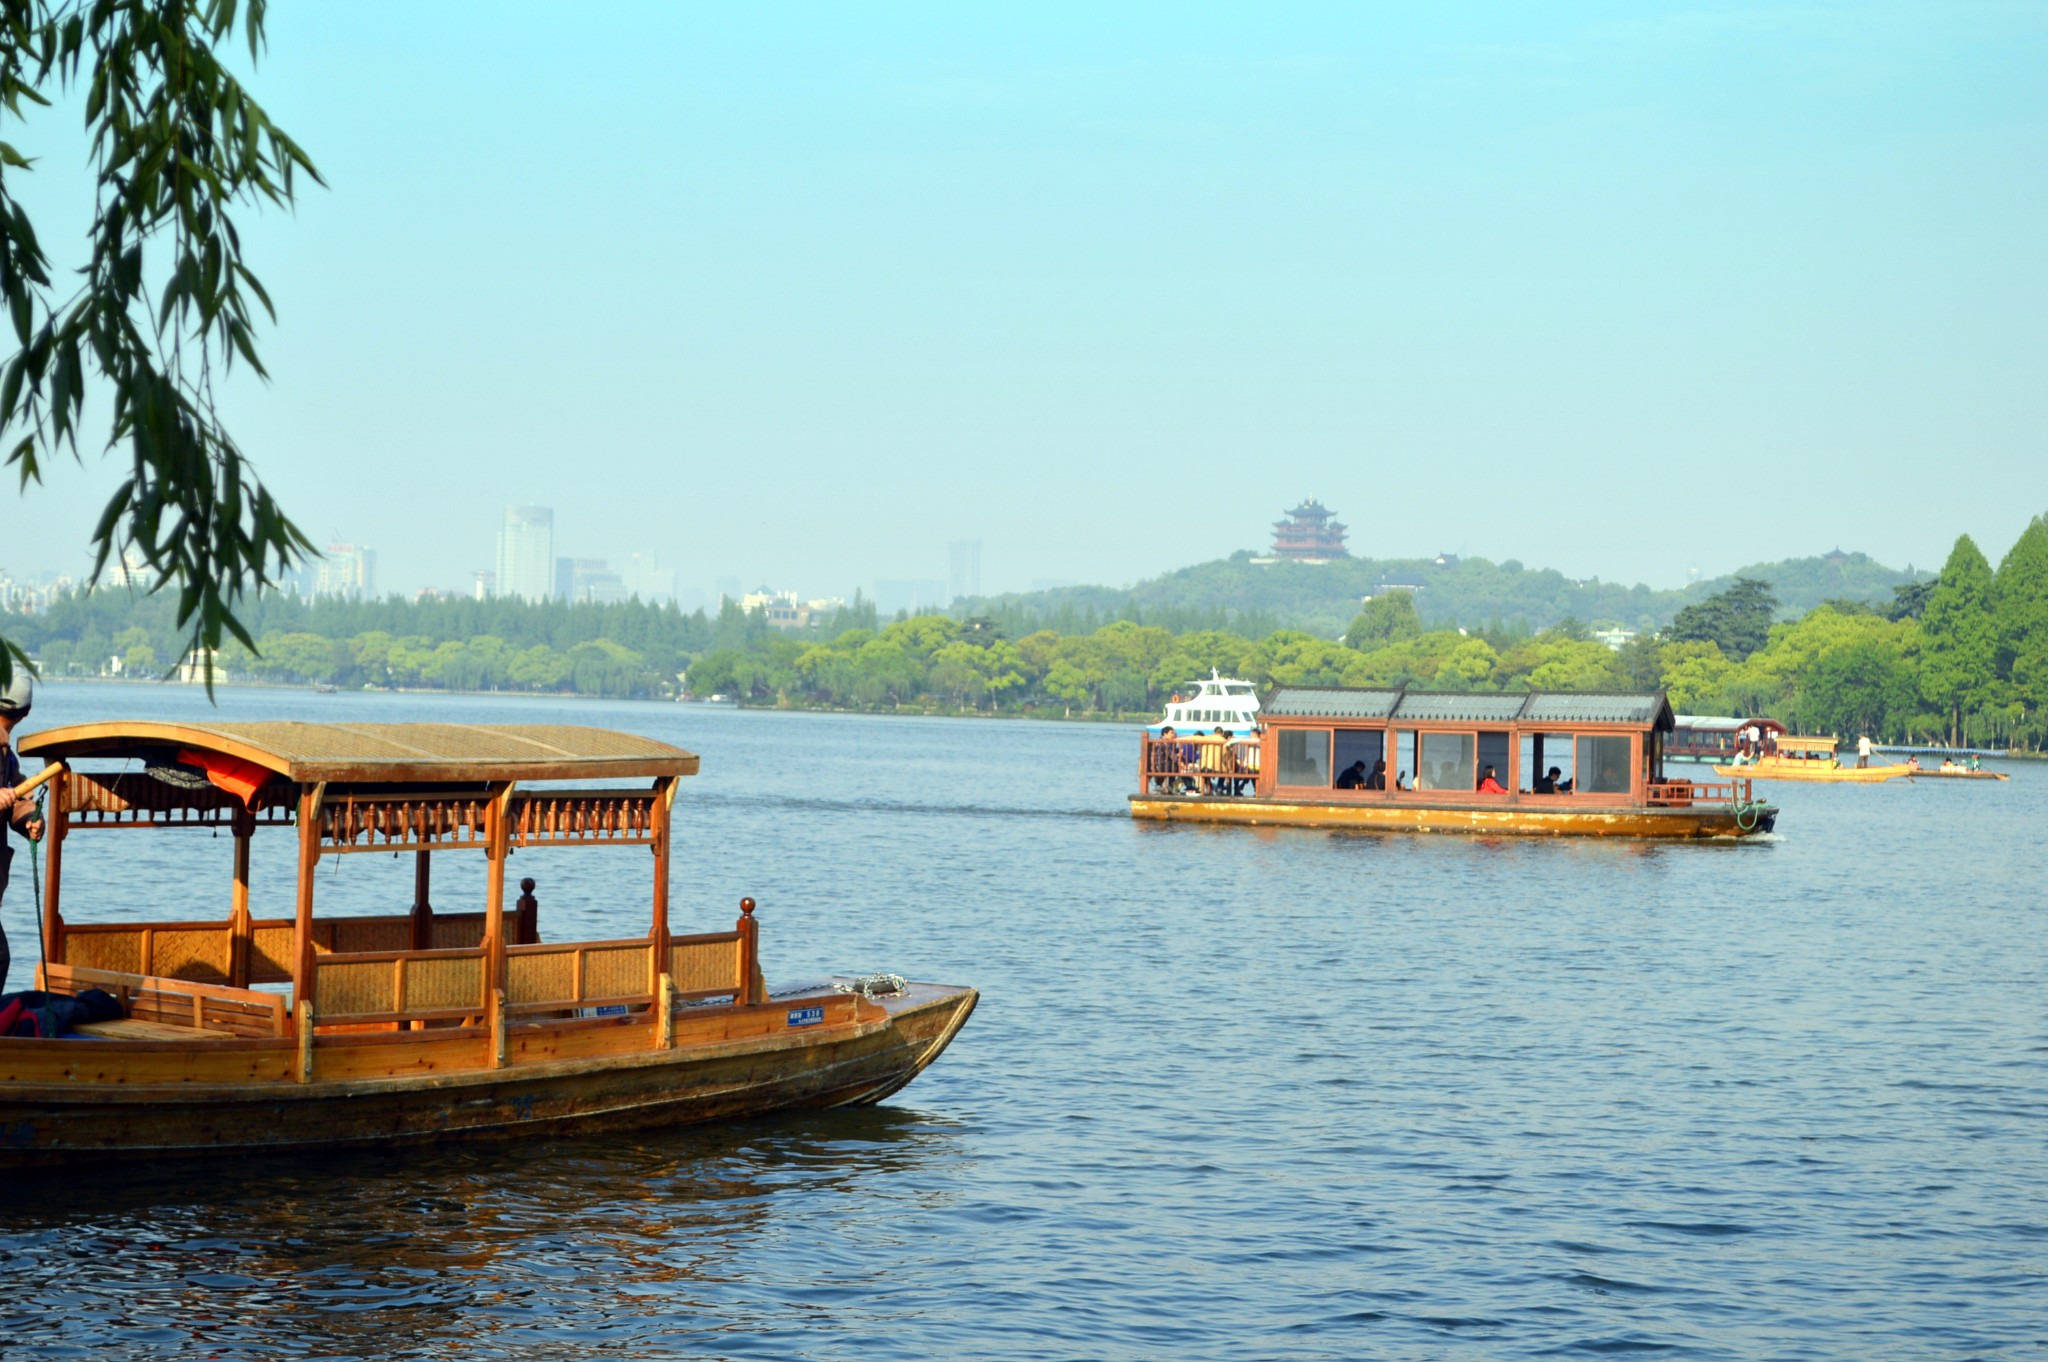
(1737, 619)
(1864, 688)
(177, 144)
(2019, 617)
(1387, 618)
(1958, 663)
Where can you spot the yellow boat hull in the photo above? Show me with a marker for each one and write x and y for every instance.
(1769, 769)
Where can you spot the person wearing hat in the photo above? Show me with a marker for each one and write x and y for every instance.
(15, 815)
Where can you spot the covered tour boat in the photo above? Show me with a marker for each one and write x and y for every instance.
(1791, 757)
(250, 1031)
(1542, 763)
(1717, 737)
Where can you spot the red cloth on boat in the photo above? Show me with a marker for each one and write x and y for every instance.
(242, 779)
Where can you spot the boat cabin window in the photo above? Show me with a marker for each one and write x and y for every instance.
(1604, 763)
(1305, 757)
(1540, 752)
(1368, 745)
(1403, 764)
(1447, 762)
(1493, 751)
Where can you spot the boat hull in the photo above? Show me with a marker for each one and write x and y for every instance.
(1698, 822)
(1820, 772)
(120, 1099)
(1960, 775)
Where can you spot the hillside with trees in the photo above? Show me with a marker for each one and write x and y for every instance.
(1254, 597)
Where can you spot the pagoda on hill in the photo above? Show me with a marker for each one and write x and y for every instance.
(1309, 534)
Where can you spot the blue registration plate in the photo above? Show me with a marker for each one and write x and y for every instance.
(806, 1016)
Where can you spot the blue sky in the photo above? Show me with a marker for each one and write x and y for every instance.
(797, 294)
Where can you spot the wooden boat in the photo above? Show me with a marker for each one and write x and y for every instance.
(1954, 773)
(1432, 751)
(1797, 758)
(248, 1032)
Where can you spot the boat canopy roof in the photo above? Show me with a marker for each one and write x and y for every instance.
(383, 753)
(1792, 744)
(1727, 723)
(1642, 710)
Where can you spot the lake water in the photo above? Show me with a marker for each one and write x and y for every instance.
(1230, 1093)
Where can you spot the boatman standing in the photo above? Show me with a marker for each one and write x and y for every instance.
(15, 815)
(1862, 749)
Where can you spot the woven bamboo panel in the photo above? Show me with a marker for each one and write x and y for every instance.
(618, 971)
(345, 988)
(457, 931)
(699, 965)
(543, 978)
(354, 934)
(116, 950)
(431, 984)
(270, 954)
(200, 954)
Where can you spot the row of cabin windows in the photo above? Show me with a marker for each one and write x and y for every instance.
(1211, 716)
(1315, 757)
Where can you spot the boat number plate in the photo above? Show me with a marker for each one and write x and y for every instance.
(806, 1016)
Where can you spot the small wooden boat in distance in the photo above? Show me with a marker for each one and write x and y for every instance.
(247, 1032)
(1798, 758)
(1540, 764)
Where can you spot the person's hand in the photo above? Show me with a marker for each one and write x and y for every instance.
(6, 800)
(33, 829)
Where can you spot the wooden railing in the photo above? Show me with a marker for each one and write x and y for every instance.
(1198, 766)
(1685, 793)
(390, 986)
(576, 974)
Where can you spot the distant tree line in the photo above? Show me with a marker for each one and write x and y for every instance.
(1960, 658)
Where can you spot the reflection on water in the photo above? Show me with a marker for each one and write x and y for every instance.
(1230, 1093)
(580, 1247)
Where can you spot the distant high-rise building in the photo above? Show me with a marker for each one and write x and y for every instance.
(483, 584)
(526, 553)
(587, 579)
(963, 568)
(348, 570)
(643, 576)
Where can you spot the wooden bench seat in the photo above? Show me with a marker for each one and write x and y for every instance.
(178, 1005)
(134, 1028)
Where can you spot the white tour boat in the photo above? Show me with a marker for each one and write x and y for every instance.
(1220, 702)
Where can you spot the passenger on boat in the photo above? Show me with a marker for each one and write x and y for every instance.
(1862, 751)
(1401, 782)
(1378, 779)
(15, 815)
(1353, 777)
(1216, 762)
(1545, 783)
(1165, 765)
(1490, 783)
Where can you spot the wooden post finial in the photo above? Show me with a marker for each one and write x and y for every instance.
(747, 907)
